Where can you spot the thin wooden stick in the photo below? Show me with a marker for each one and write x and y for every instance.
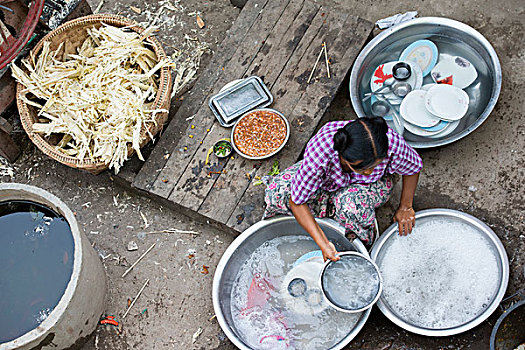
(99, 6)
(315, 65)
(139, 259)
(326, 59)
(135, 299)
(173, 230)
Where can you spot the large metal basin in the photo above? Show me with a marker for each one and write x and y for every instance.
(452, 37)
(244, 245)
(509, 331)
(378, 251)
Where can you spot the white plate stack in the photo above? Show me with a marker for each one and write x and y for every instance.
(435, 112)
(436, 109)
(432, 110)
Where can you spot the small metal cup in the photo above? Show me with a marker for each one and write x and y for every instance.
(380, 108)
(402, 89)
(401, 71)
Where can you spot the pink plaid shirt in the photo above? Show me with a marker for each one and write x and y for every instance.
(321, 169)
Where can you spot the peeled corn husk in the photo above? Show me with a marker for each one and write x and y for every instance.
(98, 99)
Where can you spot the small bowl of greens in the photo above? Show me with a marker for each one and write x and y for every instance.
(222, 148)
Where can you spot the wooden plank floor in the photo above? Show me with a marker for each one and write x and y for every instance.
(279, 41)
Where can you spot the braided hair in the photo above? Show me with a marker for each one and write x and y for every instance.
(362, 140)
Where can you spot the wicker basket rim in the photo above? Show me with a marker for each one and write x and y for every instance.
(162, 98)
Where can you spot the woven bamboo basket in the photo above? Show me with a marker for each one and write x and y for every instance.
(75, 32)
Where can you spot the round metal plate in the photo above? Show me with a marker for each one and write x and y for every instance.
(330, 264)
(270, 154)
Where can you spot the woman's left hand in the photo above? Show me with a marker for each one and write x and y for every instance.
(406, 219)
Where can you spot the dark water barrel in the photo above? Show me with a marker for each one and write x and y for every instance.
(509, 331)
(81, 292)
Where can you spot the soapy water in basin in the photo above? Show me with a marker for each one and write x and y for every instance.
(443, 275)
(351, 283)
(261, 315)
(36, 262)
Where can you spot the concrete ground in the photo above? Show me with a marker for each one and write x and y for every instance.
(483, 174)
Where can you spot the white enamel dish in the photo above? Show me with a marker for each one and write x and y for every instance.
(449, 128)
(414, 111)
(440, 126)
(427, 87)
(420, 131)
(447, 102)
(454, 70)
(422, 52)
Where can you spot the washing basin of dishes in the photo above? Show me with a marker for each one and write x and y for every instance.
(462, 69)
(259, 305)
(448, 276)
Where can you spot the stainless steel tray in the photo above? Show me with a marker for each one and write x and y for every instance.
(239, 97)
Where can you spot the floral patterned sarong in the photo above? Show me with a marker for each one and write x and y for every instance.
(353, 206)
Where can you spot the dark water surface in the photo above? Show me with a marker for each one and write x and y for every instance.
(36, 262)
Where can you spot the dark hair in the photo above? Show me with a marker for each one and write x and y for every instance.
(364, 139)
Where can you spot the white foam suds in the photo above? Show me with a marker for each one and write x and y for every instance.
(442, 275)
(260, 313)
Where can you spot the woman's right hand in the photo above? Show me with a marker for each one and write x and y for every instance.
(329, 252)
(304, 217)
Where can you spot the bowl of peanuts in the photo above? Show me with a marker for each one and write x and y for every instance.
(260, 133)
